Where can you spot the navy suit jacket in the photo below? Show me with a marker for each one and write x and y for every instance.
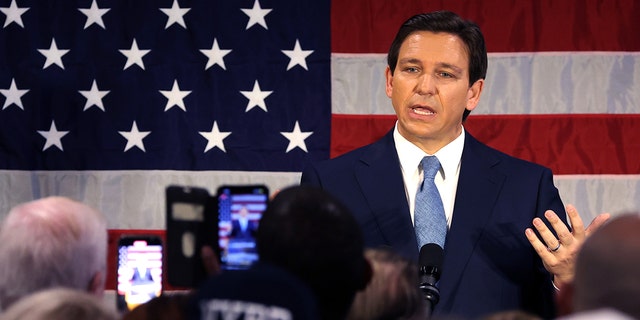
(489, 265)
(238, 233)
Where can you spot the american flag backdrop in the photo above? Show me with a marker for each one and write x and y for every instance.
(110, 101)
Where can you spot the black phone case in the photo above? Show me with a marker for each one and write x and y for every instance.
(185, 239)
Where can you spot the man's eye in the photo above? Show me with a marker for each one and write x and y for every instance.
(411, 69)
(445, 75)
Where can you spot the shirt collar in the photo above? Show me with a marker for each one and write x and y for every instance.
(410, 155)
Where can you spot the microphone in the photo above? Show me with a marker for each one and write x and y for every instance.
(430, 263)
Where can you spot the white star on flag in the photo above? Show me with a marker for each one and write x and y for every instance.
(215, 138)
(13, 95)
(215, 55)
(13, 13)
(256, 15)
(53, 55)
(256, 97)
(296, 138)
(134, 55)
(94, 15)
(94, 97)
(297, 56)
(53, 137)
(175, 14)
(134, 137)
(175, 97)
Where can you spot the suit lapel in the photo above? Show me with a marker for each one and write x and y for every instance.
(380, 179)
(479, 185)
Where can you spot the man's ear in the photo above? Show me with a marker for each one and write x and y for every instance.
(388, 88)
(564, 299)
(473, 94)
(96, 285)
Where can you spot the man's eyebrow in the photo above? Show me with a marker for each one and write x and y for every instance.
(450, 66)
(440, 64)
(410, 60)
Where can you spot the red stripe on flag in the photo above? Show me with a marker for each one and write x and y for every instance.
(568, 144)
(349, 131)
(368, 26)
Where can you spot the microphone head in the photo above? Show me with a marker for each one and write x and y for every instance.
(430, 259)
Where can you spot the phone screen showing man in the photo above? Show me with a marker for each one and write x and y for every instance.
(239, 213)
(139, 271)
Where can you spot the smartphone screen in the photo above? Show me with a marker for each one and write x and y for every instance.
(239, 211)
(139, 270)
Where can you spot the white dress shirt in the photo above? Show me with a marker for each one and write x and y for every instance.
(446, 179)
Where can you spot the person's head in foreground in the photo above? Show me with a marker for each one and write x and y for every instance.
(311, 234)
(393, 292)
(607, 274)
(60, 304)
(51, 242)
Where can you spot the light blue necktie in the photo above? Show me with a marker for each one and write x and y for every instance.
(430, 221)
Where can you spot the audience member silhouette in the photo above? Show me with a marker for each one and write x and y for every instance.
(59, 304)
(305, 236)
(51, 242)
(393, 292)
(263, 291)
(607, 271)
(313, 235)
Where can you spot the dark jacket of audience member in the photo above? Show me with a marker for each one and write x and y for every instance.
(262, 292)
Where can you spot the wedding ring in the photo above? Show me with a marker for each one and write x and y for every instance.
(554, 249)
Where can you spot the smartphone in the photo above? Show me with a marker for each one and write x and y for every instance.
(191, 224)
(239, 211)
(139, 270)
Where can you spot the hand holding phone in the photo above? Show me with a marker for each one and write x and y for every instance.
(226, 224)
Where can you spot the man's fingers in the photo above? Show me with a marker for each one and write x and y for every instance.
(597, 222)
(576, 222)
(538, 246)
(545, 235)
(564, 235)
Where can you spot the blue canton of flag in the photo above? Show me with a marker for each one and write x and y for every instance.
(170, 85)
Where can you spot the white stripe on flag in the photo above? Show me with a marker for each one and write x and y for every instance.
(135, 199)
(517, 83)
(128, 199)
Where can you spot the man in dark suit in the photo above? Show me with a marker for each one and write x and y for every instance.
(243, 227)
(141, 275)
(435, 75)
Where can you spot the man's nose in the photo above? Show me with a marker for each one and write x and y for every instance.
(426, 85)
